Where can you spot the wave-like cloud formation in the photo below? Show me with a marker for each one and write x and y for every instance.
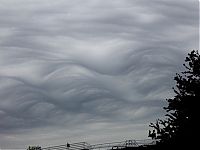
(88, 70)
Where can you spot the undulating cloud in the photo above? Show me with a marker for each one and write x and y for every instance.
(89, 70)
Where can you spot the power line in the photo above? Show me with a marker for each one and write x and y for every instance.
(102, 146)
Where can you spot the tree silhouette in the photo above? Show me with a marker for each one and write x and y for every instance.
(179, 128)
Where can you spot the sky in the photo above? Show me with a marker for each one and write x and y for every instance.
(89, 70)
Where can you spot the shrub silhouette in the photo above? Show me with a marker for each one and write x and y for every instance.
(179, 128)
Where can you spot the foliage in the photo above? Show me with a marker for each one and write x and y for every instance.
(180, 124)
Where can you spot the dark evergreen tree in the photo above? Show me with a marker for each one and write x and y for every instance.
(179, 128)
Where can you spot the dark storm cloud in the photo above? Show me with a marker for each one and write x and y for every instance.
(92, 71)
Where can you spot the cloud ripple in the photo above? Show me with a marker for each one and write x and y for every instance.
(93, 71)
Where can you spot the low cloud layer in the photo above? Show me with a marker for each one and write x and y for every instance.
(89, 70)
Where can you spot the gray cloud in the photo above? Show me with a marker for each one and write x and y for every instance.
(90, 71)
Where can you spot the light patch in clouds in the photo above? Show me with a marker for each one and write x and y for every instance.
(92, 71)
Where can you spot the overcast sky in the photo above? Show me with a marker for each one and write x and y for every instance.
(89, 70)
